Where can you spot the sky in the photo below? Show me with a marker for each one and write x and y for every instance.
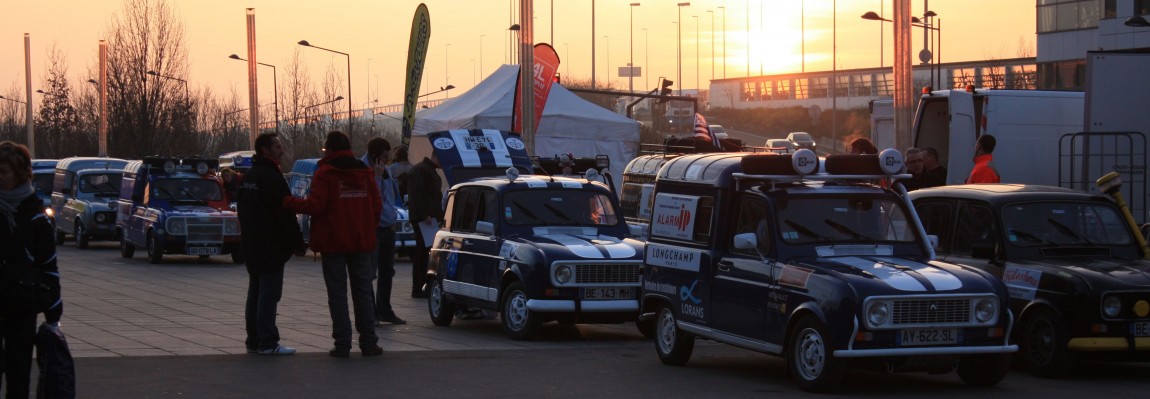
(470, 39)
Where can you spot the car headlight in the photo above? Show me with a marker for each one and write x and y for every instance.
(1111, 306)
(985, 310)
(877, 313)
(177, 226)
(49, 212)
(231, 226)
(101, 218)
(563, 274)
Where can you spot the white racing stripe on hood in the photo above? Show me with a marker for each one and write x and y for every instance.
(615, 247)
(578, 246)
(894, 277)
(941, 279)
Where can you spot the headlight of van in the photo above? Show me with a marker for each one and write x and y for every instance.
(101, 217)
(877, 313)
(563, 274)
(985, 310)
(231, 226)
(177, 226)
(1111, 306)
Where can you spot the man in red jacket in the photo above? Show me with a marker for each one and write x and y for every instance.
(344, 205)
(983, 171)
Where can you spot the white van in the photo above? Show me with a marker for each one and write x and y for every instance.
(1027, 124)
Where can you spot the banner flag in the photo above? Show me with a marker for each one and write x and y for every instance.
(416, 56)
(543, 74)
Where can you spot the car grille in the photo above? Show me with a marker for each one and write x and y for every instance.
(109, 217)
(205, 230)
(606, 273)
(931, 311)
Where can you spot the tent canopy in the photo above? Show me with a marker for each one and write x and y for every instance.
(569, 125)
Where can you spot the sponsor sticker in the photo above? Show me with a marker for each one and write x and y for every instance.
(507, 249)
(444, 143)
(673, 216)
(673, 257)
(1022, 283)
(572, 184)
(795, 276)
(515, 144)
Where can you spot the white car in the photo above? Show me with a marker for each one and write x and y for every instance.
(780, 146)
(718, 130)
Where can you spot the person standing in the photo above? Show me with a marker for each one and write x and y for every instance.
(344, 204)
(27, 244)
(271, 235)
(398, 169)
(983, 171)
(914, 167)
(933, 173)
(378, 152)
(424, 198)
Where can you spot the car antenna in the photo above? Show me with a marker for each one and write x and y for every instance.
(535, 163)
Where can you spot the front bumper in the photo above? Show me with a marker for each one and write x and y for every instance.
(927, 351)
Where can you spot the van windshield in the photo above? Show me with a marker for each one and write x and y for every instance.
(855, 219)
(42, 182)
(101, 184)
(559, 207)
(187, 190)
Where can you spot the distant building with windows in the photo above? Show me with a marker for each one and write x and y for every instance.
(1067, 29)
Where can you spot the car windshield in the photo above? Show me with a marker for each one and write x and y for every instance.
(801, 137)
(854, 219)
(559, 207)
(42, 182)
(1064, 223)
(100, 184)
(187, 189)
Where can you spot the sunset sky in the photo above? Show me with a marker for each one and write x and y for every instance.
(375, 33)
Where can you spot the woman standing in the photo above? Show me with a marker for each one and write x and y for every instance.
(26, 246)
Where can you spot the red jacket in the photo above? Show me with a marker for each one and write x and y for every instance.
(983, 171)
(344, 204)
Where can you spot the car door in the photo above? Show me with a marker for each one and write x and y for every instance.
(470, 257)
(743, 283)
(977, 237)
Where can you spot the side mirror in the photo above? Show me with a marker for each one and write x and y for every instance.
(745, 241)
(933, 240)
(637, 230)
(485, 227)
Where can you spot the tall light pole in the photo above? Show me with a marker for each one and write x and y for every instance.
(446, 70)
(724, 8)
(697, 87)
(712, 12)
(607, 41)
(631, 62)
(187, 94)
(567, 61)
(481, 54)
(275, 88)
(679, 46)
(748, 17)
(306, 44)
(592, 44)
(646, 63)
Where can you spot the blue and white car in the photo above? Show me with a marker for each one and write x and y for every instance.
(84, 191)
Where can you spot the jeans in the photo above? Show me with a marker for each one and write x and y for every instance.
(419, 256)
(264, 293)
(338, 268)
(384, 259)
(17, 337)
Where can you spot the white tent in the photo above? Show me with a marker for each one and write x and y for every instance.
(569, 125)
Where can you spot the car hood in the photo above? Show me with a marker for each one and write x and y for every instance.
(582, 244)
(1112, 272)
(896, 275)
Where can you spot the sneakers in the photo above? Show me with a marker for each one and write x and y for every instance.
(339, 352)
(393, 320)
(278, 350)
(374, 350)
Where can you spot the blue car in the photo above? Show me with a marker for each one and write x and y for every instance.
(84, 191)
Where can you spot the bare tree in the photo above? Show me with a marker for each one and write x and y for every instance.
(56, 121)
(12, 122)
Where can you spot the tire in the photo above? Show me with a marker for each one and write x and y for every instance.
(673, 345)
(1042, 345)
(81, 238)
(810, 359)
(518, 321)
(646, 327)
(127, 250)
(155, 251)
(442, 313)
(984, 370)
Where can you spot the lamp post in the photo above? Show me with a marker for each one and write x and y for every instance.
(679, 46)
(712, 12)
(929, 25)
(481, 54)
(724, 8)
(275, 88)
(567, 61)
(646, 63)
(747, 14)
(12, 100)
(592, 44)
(306, 44)
(631, 62)
(696, 17)
(607, 41)
(307, 109)
(187, 94)
(441, 89)
(228, 116)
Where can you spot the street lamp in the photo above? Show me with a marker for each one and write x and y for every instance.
(446, 70)
(441, 89)
(306, 44)
(481, 54)
(187, 94)
(631, 62)
(679, 46)
(275, 88)
(696, 17)
(307, 109)
(724, 8)
(12, 100)
(646, 61)
(929, 25)
(607, 41)
(712, 12)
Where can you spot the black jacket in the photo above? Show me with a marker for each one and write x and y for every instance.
(31, 241)
(270, 232)
(424, 192)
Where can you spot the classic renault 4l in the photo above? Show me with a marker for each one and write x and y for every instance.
(176, 206)
(1078, 280)
(534, 248)
(824, 269)
(84, 191)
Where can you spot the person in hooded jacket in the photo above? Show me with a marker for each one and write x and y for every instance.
(271, 235)
(345, 207)
(26, 243)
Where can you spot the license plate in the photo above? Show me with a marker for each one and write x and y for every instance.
(928, 336)
(607, 293)
(1141, 329)
(203, 250)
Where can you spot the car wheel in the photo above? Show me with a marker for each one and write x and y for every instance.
(809, 357)
(646, 327)
(985, 370)
(59, 237)
(127, 250)
(518, 322)
(1042, 346)
(81, 238)
(442, 313)
(155, 251)
(673, 345)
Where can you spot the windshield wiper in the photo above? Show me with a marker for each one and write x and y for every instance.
(841, 228)
(525, 211)
(559, 213)
(805, 230)
(1029, 236)
(1068, 231)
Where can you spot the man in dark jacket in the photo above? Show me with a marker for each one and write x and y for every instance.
(345, 205)
(424, 201)
(270, 235)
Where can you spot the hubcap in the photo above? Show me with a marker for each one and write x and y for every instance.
(666, 331)
(1041, 343)
(810, 355)
(517, 311)
(436, 301)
